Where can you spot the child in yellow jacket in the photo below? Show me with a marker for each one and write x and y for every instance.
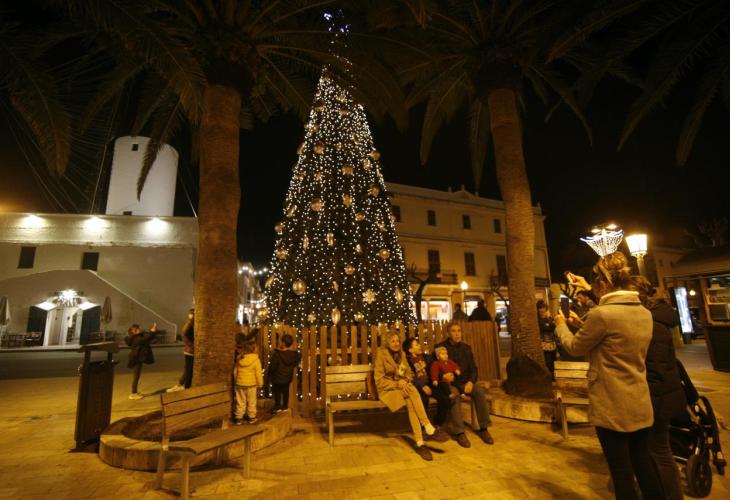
(249, 379)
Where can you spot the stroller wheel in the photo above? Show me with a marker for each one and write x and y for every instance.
(699, 476)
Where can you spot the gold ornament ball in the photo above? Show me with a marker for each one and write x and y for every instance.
(359, 216)
(262, 313)
(299, 287)
(318, 176)
(300, 149)
(319, 148)
(347, 200)
(384, 253)
(374, 154)
(317, 204)
(282, 254)
(336, 315)
(374, 190)
(279, 228)
(318, 105)
(347, 169)
(349, 269)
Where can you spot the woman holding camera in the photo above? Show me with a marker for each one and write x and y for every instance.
(616, 336)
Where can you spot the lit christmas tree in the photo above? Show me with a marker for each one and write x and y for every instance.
(337, 258)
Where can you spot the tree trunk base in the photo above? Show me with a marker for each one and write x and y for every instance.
(527, 379)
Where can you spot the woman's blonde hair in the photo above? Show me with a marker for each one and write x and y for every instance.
(613, 271)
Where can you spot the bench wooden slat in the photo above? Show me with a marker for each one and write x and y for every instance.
(348, 369)
(197, 417)
(580, 374)
(337, 388)
(187, 405)
(576, 401)
(346, 377)
(193, 392)
(356, 405)
(215, 439)
(572, 365)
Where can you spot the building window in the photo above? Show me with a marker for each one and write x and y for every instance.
(466, 221)
(27, 258)
(90, 261)
(434, 261)
(502, 269)
(431, 217)
(469, 264)
(135, 146)
(497, 226)
(396, 212)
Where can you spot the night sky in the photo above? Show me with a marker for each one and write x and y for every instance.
(577, 184)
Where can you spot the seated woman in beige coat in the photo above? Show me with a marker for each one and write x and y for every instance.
(616, 336)
(393, 378)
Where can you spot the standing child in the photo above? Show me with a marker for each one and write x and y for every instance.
(281, 371)
(248, 380)
(140, 353)
(441, 366)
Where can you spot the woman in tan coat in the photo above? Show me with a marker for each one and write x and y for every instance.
(393, 378)
(616, 336)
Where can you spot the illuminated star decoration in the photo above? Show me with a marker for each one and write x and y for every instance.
(368, 296)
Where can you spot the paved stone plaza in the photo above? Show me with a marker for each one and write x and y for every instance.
(371, 459)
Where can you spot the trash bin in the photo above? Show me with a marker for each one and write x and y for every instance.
(718, 346)
(96, 383)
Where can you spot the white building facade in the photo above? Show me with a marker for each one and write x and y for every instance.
(57, 271)
(461, 236)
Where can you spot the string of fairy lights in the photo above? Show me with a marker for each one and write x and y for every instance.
(337, 259)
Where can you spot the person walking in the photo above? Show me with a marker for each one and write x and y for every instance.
(616, 337)
(480, 312)
(665, 385)
(459, 314)
(465, 383)
(393, 378)
(140, 353)
(547, 336)
(188, 338)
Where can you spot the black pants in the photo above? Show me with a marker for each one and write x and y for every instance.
(187, 376)
(135, 377)
(281, 395)
(443, 403)
(550, 358)
(627, 454)
(661, 452)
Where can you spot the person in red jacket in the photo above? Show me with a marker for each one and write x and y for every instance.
(441, 366)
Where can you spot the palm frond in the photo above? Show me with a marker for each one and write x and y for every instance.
(441, 106)
(165, 124)
(479, 134)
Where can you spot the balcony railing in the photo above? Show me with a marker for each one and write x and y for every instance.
(442, 277)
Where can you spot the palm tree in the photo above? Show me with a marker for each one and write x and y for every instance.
(30, 94)
(210, 67)
(482, 55)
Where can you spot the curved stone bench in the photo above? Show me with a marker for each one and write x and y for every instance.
(531, 410)
(118, 450)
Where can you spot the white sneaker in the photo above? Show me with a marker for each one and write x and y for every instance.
(135, 395)
(176, 388)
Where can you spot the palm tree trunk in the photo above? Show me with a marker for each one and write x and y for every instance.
(527, 372)
(216, 288)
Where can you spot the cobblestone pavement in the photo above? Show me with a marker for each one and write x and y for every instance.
(371, 459)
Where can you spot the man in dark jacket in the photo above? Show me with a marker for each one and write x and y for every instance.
(466, 383)
(665, 386)
(480, 313)
(281, 372)
(140, 353)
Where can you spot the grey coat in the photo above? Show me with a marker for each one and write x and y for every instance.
(616, 337)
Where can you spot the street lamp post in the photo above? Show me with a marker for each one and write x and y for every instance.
(464, 287)
(638, 246)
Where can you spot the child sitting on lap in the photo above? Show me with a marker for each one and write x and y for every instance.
(441, 366)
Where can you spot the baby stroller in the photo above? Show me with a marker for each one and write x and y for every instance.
(695, 439)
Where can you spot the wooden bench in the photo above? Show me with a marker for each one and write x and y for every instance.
(195, 407)
(571, 381)
(352, 380)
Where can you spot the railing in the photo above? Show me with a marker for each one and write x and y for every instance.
(346, 345)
